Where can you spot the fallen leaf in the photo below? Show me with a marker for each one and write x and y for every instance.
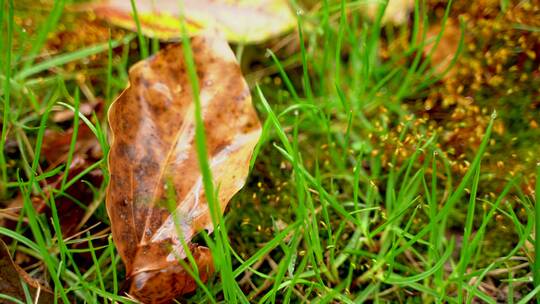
(55, 146)
(248, 21)
(70, 213)
(71, 206)
(10, 280)
(70, 209)
(153, 150)
(87, 151)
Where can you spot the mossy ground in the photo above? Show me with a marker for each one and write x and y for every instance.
(497, 70)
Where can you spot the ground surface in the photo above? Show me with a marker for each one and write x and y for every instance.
(386, 172)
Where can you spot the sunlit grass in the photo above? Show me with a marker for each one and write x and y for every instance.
(349, 223)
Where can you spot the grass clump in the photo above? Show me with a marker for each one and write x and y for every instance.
(377, 178)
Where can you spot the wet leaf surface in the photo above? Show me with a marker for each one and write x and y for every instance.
(11, 276)
(240, 20)
(153, 155)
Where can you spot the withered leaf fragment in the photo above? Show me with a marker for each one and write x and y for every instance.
(246, 21)
(10, 280)
(153, 150)
(396, 12)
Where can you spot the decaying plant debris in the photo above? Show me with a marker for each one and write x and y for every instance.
(155, 177)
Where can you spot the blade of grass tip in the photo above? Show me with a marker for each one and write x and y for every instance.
(95, 261)
(306, 203)
(372, 46)
(64, 250)
(43, 248)
(321, 67)
(27, 294)
(31, 212)
(476, 241)
(296, 276)
(526, 233)
(101, 136)
(230, 286)
(69, 57)
(504, 5)
(88, 123)
(331, 200)
(397, 279)
(73, 142)
(356, 186)
(510, 286)
(6, 99)
(272, 116)
(262, 141)
(239, 52)
(107, 295)
(10, 298)
(19, 238)
(406, 83)
(142, 41)
(155, 45)
(2, 10)
(526, 299)
(57, 228)
(465, 255)
(438, 39)
(265, 249)
(536, 265)
(456, 195)
(171, 205)
(327, 222)
(307, 83)
(284, 76)
(435, 234)
(283, 267)
(341, 34)
(108, 81)
(113, 265)
(83, 173)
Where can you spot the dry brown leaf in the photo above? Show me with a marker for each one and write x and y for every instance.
(70, 213)
(87, 151)
(10, 280)
(153, 148)
(56, 144)
(247, 21)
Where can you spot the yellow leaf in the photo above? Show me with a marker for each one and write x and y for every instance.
(397, 11)
(247, 21)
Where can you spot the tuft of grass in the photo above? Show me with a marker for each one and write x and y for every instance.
(351, 198)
